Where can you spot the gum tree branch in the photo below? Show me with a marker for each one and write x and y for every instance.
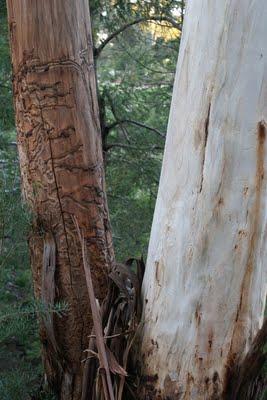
(174, 24)
(137, 123)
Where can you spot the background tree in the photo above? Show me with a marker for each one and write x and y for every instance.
(61, 164)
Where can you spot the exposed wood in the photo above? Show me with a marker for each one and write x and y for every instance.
(59, 144)
(205, 282)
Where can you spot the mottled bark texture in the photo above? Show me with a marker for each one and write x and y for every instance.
(205, 281)
(59, 143)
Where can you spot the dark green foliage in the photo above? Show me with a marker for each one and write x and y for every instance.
(135, 74)
(19, 345)
(6, 108)
(20, 360)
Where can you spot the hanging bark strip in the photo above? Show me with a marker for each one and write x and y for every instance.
(102, 354)
(60, 151)
(120, 313)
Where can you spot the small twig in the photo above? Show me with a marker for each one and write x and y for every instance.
(94, 355)
(137, 123)
(129, 146)
(113, 336)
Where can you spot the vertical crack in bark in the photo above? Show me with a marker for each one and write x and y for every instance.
(65, 233)
(56, 185)
(206, 134)
(66, 237)
(60, 204)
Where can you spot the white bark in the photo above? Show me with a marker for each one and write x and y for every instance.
(205, 282)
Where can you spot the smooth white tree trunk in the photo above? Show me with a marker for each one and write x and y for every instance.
(205, 282)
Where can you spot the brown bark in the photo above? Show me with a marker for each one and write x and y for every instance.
(60, 151)
(248, 380)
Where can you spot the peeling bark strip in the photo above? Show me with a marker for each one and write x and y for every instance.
(60, 151)
(48, 286)
(102, 354)
(209, 235)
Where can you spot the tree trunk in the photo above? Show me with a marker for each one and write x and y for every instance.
(205, 282)
(59, 143)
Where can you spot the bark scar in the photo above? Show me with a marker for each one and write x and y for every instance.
(206, 134)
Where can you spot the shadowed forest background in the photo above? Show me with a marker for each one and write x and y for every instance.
(135, 72)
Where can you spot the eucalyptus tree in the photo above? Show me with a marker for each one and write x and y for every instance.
(205, 282)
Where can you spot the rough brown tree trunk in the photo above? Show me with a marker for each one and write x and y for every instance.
(60, 151)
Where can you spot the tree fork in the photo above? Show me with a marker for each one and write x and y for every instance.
(60, 151)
